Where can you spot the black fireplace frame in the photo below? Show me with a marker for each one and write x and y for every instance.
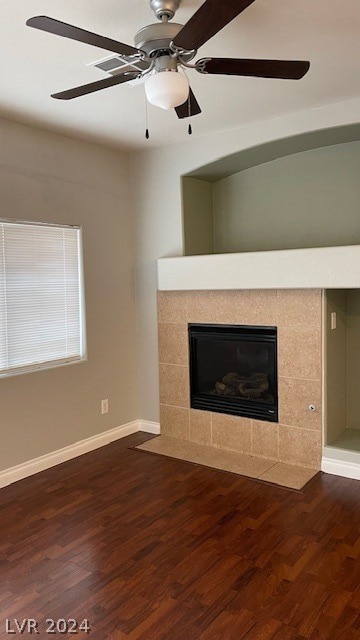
(222, 404)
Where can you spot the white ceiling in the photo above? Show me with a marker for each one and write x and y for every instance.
(35, 64)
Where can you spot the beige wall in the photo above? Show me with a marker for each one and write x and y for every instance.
(291, 203)
(156, 180)
(46, 177)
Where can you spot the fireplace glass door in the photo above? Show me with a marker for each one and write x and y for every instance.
(233, 369)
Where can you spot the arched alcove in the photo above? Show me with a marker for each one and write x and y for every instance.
(297, 192)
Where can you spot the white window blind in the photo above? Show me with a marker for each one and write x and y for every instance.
(41, 315)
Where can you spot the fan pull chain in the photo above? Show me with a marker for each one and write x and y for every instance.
(189, 112)
(147, 133)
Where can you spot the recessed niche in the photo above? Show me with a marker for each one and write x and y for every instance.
(342, 369)
(290, 194)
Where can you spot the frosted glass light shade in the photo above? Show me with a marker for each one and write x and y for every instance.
(167, 89)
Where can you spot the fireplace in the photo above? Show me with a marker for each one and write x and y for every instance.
(233, 369)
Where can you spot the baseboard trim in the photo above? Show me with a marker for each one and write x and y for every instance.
(29, 468)
(149, 427)
(341, 468)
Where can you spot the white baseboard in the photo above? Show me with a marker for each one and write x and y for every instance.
(149, 427)
(340, 462)
(339, 468)
(29, 468)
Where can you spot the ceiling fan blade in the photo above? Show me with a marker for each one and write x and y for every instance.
(285, 69)
(183, 111)
(210, 18)
(95, 86)
(75, 33)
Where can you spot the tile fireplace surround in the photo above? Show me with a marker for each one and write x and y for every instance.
(297, 438)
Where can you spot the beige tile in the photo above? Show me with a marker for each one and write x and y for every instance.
(172, 306)
(207, 456)
(237, 305)
(231, 432)
(264, 307)
(174, 422)
(295, 396)
(200, 426)
(265, 439)
(300, 307)
(202, 307)
(233, 307)
(254, 467)
(174, 385)
(218, 307)
(193, 452)
(173, 343)
(299, 353)
(215, 458)
(282, 474)
(167, 446)
(288, 475)
(300, 447)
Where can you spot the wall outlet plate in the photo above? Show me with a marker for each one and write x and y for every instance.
(104, 406)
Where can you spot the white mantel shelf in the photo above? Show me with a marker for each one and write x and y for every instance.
(322, 268)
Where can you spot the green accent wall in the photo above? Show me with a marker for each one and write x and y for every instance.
(342, 362)
(198, 221)
(308, 199)
(353, 359)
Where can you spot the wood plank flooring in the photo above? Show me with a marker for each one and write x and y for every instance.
(151, 548)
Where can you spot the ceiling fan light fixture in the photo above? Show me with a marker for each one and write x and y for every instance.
(167, 89)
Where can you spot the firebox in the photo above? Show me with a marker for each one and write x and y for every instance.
(233, 369)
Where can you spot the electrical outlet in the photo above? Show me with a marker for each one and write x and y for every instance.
(104, 406)
(333, 320)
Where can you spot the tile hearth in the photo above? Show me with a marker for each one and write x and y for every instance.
(250, 466)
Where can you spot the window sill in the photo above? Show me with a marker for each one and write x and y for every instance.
(45, 366)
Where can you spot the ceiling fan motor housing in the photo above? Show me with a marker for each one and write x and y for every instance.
(157, 37)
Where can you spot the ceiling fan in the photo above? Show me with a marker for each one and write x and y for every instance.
(163, 50)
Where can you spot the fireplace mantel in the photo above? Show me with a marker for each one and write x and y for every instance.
(320, 268)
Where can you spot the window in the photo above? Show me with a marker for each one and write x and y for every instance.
(41, 296)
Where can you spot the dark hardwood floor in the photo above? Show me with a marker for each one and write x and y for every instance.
(151, 548)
